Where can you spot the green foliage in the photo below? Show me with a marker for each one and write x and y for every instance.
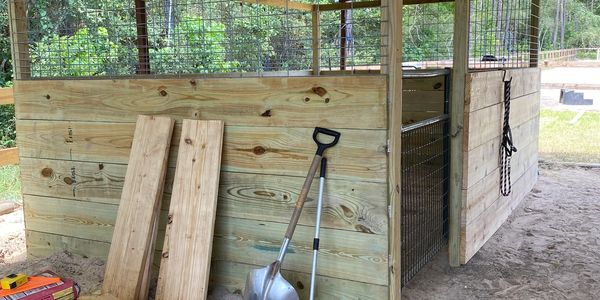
(10, 184)
(85, 53)
(8, 132)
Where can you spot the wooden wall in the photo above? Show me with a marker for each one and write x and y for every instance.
(422, 97)
(75, 137)
(484, 210)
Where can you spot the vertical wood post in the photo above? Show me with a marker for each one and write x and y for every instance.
(142, 37)
(394, 70)
(457, 106)
(17, 12)
(316, 40)
(343, 36)
(534, 31)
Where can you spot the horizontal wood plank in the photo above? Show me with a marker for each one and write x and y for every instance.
(486, 88)
(6, 96)
(360, 155)
(354, 206)
(483, 193)
(42, 244)
(486, 124)
(9, 156)
(224, 274)
(282, 4)
(436, 83)
(482, 160)
(283, 102)
(480, 230)
(236, 240)
(85, 220)
(233, 276)
(341, 253)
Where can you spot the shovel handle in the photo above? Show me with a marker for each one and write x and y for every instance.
(321, 147)
(303, 194)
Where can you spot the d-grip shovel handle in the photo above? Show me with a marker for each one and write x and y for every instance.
(321, 147)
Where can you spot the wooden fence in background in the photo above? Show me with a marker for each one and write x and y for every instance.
(566, 54)
(8, 156)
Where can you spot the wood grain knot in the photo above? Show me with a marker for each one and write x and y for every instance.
(165, 255)
(347, 211)
(306, 99)
(68, 180)
(162, 90)
(47, 97)
(264, 193)
(319, 91)
(437, 85)
(267, 113)
(300, 285)
(188, 141)
(363, 229)
(259, 150)
(193, 82)
(169, 219)
(47, 172)
(327, 100)
(101, 167)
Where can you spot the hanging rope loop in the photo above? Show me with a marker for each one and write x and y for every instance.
(507, 148)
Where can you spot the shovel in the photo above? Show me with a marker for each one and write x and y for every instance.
(267, 283)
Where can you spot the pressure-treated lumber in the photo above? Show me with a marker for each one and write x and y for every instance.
(17, 13)
(333, 102)
(316, 42)
(43, 244)
(185, 266)
(395, 146)
(347, 5)
(459, 72)
(6, 96)
(352, 206)
(127, 267)
(9, 156)
(257, 150)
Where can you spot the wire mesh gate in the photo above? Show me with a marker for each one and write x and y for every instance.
(425, 185)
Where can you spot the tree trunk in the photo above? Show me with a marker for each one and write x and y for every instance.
(556, 24)
(562, 24)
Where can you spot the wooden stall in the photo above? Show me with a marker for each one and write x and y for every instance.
(75, 135)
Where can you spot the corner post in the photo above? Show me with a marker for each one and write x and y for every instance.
(457, 107)
(17, 12)
(394, 71)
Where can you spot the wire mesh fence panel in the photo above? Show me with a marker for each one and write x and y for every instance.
(78, 38)
(425, 185)
(428, 31)
(501, 34)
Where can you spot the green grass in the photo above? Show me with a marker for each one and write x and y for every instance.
(10, 184)
(562, 141)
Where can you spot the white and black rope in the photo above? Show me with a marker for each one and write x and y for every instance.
(507, 147)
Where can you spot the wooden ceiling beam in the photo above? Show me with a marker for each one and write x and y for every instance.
(282, 4)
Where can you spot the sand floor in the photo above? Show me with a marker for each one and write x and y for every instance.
(548, 249)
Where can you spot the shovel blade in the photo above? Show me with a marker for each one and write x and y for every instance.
(260, 286)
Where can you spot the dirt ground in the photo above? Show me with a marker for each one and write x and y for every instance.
(548, 249)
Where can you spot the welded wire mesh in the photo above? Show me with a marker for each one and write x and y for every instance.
(78, 38)
(425, 185)
(501, 34)
(428, 31)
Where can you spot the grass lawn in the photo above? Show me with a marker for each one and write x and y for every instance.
(10, 184)
(562, 141)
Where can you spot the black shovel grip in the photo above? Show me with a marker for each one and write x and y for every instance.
(321, 147)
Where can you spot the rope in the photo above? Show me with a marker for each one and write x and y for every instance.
(507, 148)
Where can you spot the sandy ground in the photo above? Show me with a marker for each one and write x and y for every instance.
(548, 249)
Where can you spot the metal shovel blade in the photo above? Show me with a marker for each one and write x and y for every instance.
(260, 287)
